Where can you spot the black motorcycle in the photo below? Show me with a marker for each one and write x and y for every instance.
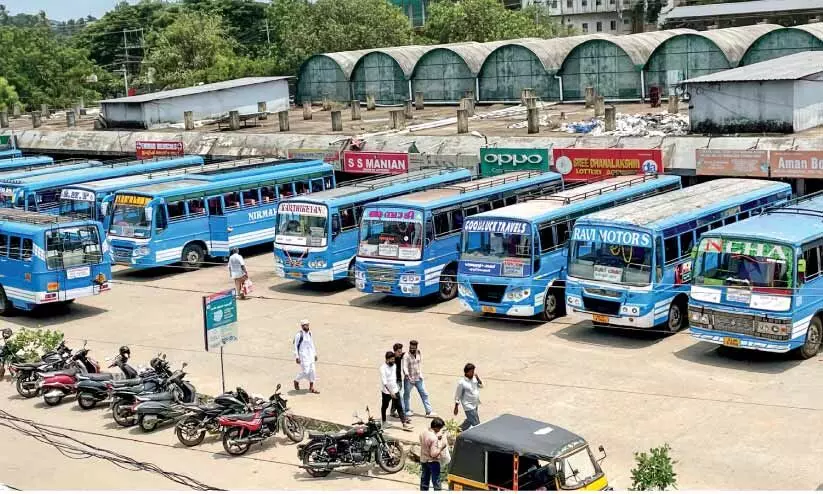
(153, 387)
(27, 374)
(94, 388)
(191, 429)
(153, 410)
(359, 445)
(243, 430)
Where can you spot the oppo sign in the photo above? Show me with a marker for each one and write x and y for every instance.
(494, 161)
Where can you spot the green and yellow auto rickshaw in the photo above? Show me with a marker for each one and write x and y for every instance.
(517, 453)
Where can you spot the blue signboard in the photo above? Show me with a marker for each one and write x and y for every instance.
(219, 319)
(478, 267)
(612, 236)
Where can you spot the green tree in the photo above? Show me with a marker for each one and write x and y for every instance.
(654, 470)
(484, 20)
(8, 95)
(243, 20)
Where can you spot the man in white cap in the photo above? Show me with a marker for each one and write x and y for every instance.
(305, 354)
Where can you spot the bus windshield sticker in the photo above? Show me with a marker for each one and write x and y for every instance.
(303, 209)
(392, 214)
(739, 295)
(608, 274)
(513, 267)
(129, 200)
(408, 253)
(77, 195)
(611, 236)
(388, 250)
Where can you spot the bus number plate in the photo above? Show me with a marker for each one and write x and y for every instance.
(382, 288)
(488, 310)
(735, 342)
(81, 272)
(600, 319)
(294, 274)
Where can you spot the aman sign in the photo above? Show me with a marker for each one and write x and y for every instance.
(158, 149)
(796, 164)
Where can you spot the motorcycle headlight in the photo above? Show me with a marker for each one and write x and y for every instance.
(517, 294)
(464, 290)
(143, 250)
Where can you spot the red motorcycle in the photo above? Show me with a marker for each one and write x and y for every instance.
(57, 385)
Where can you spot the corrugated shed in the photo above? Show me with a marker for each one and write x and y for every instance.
(788, 68)
(346, 60)
(734, 41)
(815, 29)
(473, 54)
(639, 47)
(552, 52)
(188, 91)
(405, 56)
(739, 8)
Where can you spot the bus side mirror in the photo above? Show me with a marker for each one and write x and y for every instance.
(603, 451)
(801, 266)
(694, 253)
(335, 225)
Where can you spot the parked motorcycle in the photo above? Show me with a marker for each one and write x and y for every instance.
(7, 357)
(57, 385)
(191, 429)
(241, 431)
(359, 445)
(94, 388)
(154, 410)
(27, 373)
(153, 388)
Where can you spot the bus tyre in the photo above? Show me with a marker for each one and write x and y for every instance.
(550, 305)
(5, 305)
(448, 284)
(677, 316)
(193, 256)
(811, 346)
(350, 278)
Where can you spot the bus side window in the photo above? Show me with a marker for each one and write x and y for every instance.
(659, 259)
(700, 231)
(347, 220)
(197, 208)
(496, 204)
(14, 248)
(285, 190)
(328, 182)
(672, 249)
(267, 194)
(317, 185)
(686, 243)
(457, 220)
(358, 214)
(31, 203)
(716, 224)
(251, 197)
(429, 230)
(471, 210)
(485, 206)
(546, 238)
(812, 257)
(176, 209)
(441, 223)
(743, 215)
(26, 250)
(4, 245)
(231, 200)
(511, 200)
(160, 219)
(562, 233)
(301, 187)
(215, 206)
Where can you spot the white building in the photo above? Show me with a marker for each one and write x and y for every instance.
(590, 16)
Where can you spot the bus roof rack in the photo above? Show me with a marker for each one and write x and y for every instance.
(608, 188)
(372, 183)
(31, 217)
(214, 166)
(787, 206)
(478, 183)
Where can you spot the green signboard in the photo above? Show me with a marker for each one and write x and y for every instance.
(5, 142)
(219, 319)
(494, 161)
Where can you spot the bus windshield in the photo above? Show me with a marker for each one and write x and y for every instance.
(73, 246)
(743, 263)
(78, 203)
(130, 221)
(612, 256)
(496, 247)
(302, 224)
(391, 233)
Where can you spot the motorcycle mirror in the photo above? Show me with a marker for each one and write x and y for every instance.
(184, 365)
(277, 388)
(164, 356)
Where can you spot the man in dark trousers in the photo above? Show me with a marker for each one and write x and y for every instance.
(390, 391)
(398, 364)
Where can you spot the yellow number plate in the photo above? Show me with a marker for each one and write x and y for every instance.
(382, 288)
(731, 341)
(488, 310)
(294, 274)
(600, 319)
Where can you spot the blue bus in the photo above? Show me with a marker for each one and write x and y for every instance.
(40, 170)
(409, 245)
(10, 153)
(42, 193)
(513, 260)
(46, 259)
(316, 236)
(757, 283)
(631, 265)
(20, 163)
(85, 199)
(187, 219)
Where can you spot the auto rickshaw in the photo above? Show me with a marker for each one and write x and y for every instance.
(517, 453)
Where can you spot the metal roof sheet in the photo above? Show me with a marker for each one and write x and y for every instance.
(187, 91)
(788, 68)
(734, 41)
(815, 29)
(639, 47)
(738, 8)
(346, 60)
(552, 52)
(472, 54)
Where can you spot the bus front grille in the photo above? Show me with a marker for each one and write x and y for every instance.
(609, 307)
(122, 253)
(489, 293)
(744, 324)
(381, 275)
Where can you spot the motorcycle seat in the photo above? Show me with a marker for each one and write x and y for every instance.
(155, 397)
(66, 372)
(127, 383)
(29, 365)
(240, 416)
(332, 435)
(97, 377)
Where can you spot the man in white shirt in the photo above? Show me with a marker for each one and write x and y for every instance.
(467, 395)
(390, 391)
(305, 354)
(237, 271)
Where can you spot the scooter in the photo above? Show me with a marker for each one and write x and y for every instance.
(153, 388)
(27, 374)
(93, 389)
(152, 412)
(57, 385)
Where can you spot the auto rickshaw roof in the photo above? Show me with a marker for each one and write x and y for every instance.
(509, 434)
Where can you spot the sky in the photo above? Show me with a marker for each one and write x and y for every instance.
(61, 10)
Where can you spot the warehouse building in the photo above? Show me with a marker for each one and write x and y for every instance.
(205, 101)
(385, 74)
(446, 73)
(785, 41)
(729, 14)
(327, 76)
(778, 95)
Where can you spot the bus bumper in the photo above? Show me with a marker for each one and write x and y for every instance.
(517, 310)
(338, 271)
(733, 340)
(639, 321)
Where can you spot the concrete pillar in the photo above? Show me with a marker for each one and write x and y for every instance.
(469, 93)
(355, 109)
(589, 97)
(531, 102)
(674, 103)
(188, 120)
(370, 103)
(397, 118)
(17, 110)
(525, 93)
(418, 100)
(44, 111)
(35, 119)
(408, 109)
(336, 121)
(533, 119)
(562, 115)
(283, 120)
(326, 104)
(234, 120)
(79, 110)
(307, 110)
(462, 121)
(611, 114)
(71, 118)
(801, 187)
(599, 106)
(468, 105)
(262, 110)
(4, 119)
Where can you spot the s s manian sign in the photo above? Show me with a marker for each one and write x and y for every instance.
(373, 162)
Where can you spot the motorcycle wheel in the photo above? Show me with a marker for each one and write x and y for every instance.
(25, 393)
(391, 457)
(234, 449)
(309, 454)
(52, 400)
(147, 425)
(86, 401)
(118, 411)
(189, 432)
(292, 428)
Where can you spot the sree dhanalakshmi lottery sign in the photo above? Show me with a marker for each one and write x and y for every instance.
(219, 319)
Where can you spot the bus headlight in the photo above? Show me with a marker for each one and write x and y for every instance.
(359, 274)
(630, 310)
(464, 290)
(410, 278)
(517, 294)
(699, 318)
(317, 263)
(143, 250)
(772, 328)
(573, 301)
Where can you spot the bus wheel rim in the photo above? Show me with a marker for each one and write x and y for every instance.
(193, 256)
(674, 317)
(813, 337)
(551, 304)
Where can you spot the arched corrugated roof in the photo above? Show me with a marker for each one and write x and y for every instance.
(474, 54)
(640, 46)
(552, 52)
(815, 29)
(734, 41)
(346, 60)
(405, 56)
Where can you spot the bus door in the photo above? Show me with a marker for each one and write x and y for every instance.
(218, 227)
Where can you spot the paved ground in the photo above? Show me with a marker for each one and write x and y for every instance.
(734, 420)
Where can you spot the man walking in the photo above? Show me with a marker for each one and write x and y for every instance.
(468, 395)
(398, 367)
(413, 378)
(390, 391)
(237, 271)
(432, 445)
(305, 354)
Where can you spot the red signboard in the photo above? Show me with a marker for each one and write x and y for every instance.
(381, 163)
(585, 164)
(158, 149)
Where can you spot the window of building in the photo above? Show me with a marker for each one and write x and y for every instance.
(598, 3)
(585, 27)
(584, 3)
(613, 25)
(569, 4)
(626, 22)
(554, 4)
(599, 26)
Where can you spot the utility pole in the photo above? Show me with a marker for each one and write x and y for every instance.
(126, 59)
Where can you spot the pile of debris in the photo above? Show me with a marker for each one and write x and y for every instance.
(638, 125)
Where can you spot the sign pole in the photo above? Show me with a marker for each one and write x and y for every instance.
(220, 324)
(222, 371)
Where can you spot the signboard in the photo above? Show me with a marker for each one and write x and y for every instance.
(478, 267)
(77, 195)
(130, 200)
(379, 163)
(330, 156)
(496, 226)
(585, 164)
(612, 236)
(732, 162)
(494, 161)
(303, 209)
(219, 319)
(796, 164)
(158, 149)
